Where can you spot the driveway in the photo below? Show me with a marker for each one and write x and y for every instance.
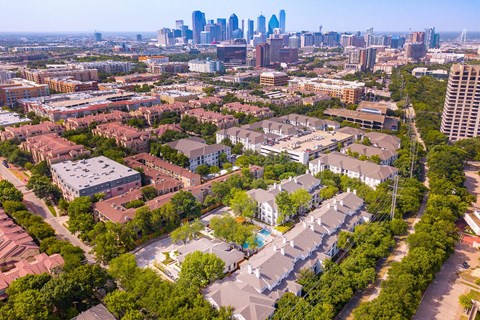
(440, 301)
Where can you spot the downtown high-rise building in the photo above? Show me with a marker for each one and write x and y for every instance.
(222, 22)
(261, 24)
(198, 25)
(461, 118)
(432, 39)
(232, 26)
(283, 18)
(250, 30)
(273, 24)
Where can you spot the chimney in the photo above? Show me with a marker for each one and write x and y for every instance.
(335, 207)
(355, 191)
(284, 240)
(292, 244)
(282, 251)
(348, 190)
(274, 247)
(328, 205)
(312, 219)
(341, 203)
(250, 271)
(334, 200)
(295, 180)
(304, 224)
(275, 185)
(312, 227)
(319, 221)
(257, 272)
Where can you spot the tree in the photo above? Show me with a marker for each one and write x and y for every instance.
(120, 302)
(242, 204)
(80, 217)
(202, 170)
(44, 188)
(214, 170)
(228, 229)
(149, 193)
(30, 305)
(398, 226)
(186, 231)
(328, 192)
(286, 207)
(301, 199)
(238, 148)
(209, 91)
(186, 205)
(200, 268)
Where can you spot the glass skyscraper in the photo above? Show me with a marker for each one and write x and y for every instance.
(283, 18)
(261, 24)
(273, 24)
(198, 25)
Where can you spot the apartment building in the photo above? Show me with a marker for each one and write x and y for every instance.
(222, 121)
(30, 130)
(272, 127)
(367, 120)
(147, 161)
(206, 66)
(172, 96)
(80, 104)
(367, 172)
(53, 149)
(267, 209)
(251, 140)
(153, 115)
(253, 290)
(138, 78)
(460, 118)
(109, 66)
(257, 112)
(273, 79)
(198, 152)
(383, 140)
(40, 75)
(349, 92)
(15, 243)
(126, 136)
(16, 89)
(204, 102)
(85, 122)
(69, 84)
(387, 157)
(38, 264)
(8, 118)
(91, 176)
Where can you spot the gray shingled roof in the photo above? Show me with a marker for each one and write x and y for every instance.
(196, 147)
(384, 154)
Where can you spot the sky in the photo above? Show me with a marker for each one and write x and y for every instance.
(151, 15)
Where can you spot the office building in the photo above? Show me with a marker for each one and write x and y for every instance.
(415, 50)
(288, 55)
(222, 23)
(232, 26)
(6, 75)
(98, 36)
(417, 37)
(139, 37)
(432, 39)
(206, 66)
(347, 91)
(294, 42)
(250, 30)
(165, 37)
(92, 176)
(306, 40)
(275, 44)
(273, 24)
(262, 55)
(460, 118)
(273, 79)
(261, 24)
(53, 149)
(198, 25)
(205, 37)
(198, 152)
(17, 89)
(283, 18)
(235, 54)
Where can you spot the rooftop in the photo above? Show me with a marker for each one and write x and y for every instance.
(8, 118)
(312, 141)
(195, 147)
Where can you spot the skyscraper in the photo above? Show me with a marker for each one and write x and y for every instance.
(283, 17)
(432, 39)
(251, 30)
(198, 24)
(273, 24)
(460, 118)
(98, 36)
(261, 24)
(232, 25)
(262, 55)
(223, 28)
(178, 24)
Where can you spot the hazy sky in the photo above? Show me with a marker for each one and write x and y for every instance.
(151, 15)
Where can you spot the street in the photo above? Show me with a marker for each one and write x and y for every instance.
(38, 207)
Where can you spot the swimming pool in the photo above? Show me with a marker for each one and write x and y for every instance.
(264, 232)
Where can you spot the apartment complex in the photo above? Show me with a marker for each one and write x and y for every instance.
(53, 149)
(91, 176)
(109, 66)
(153, 115)
(40, 75)
(8, 118)
(77, 105)
(30, 130)
(310, 123)
(17, 89)
(69, 84)
(85, 122)
(367, 172)
(172, 96)
(222, 121)
(137, 78)
(267, 209)
(347, 91)
(387, 157)
(251, 140)
(206, 66)
(383, 140)
(126, 136)
(257, 112)
(273, 79)
(198, 152)
(253, 290)
(460, 118)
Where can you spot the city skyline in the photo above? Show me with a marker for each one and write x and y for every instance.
(78, 17)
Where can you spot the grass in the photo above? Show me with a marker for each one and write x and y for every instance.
(52, 210)
(285, 227)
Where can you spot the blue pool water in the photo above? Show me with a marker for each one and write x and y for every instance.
(265, 232)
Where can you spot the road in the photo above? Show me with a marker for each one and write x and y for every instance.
(440, 301)
(38, 207)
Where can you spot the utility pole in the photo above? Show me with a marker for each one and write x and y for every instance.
(394, 197)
